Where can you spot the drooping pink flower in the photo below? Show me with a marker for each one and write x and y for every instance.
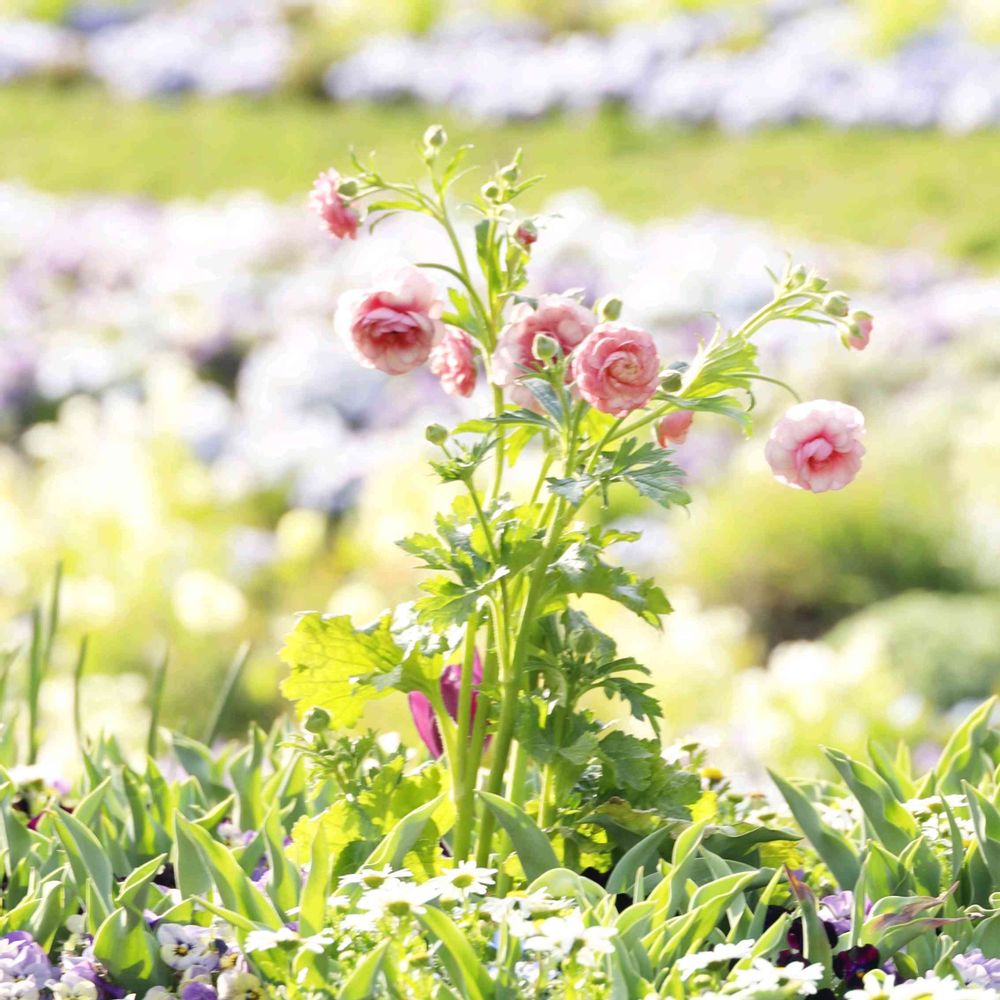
(616, 369)
(817, 445)
(394, 325)
(453, 360)
(559, 317)
(339, 219)
(860, 332)
(674, 427)
(451, 686)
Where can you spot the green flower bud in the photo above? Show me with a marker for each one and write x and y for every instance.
(317, 720)
(671, 381)
(797, 277)
(491, 191)
(510, 174)
(818, 284)
(436, 434)
(435, 137)
(609, 308)
(347, 186)
(837, 304)
(545, 348)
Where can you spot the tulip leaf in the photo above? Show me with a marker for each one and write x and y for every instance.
(530, 844)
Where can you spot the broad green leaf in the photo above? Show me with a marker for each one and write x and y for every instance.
(458, 956)
(337, 667)
(129, 951)
(361, 985)
(405, 835)
(531, 845)
(645, 855)
(838, 854)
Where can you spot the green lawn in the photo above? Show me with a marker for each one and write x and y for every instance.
(883, 188)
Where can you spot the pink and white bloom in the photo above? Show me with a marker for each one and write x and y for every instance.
(674, 427)
(453, 360)
(559, 317)
(817, 446)
(616, 369)
(394, 325)
(339, 219)
(860, 333)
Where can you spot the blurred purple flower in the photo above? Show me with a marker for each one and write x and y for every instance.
(451, 685)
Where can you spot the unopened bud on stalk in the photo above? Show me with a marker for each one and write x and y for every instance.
(671, 381)
(609, 308)
(491, 191)
(545, 348)
(818, 284)
(510, 174)
(435, 137)
(436, 434)
(797, 277)
(317, 720)
(526, 233)
(837, 304)
(347, 186)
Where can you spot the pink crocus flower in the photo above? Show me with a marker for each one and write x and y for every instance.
(451, 686)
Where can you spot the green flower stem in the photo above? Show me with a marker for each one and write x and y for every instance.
(464, 804)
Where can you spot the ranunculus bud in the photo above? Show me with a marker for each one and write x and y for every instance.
(797, 277)
(545, 348)
(674, 427)
(671, 381)
(435, 136)
(347, 186)
(837, 304)
(510, 174)
(609, 308)
(491, 191)
(859, 330)
(436, 434)
(317, 720)
(526, 233)
(818, 284)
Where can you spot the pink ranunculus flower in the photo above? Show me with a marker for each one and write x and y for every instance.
(560, 317)
(616, 369)
(339, 219)
(451, 686)
(674, 427)
(817, 445)
(860, 332)
(453, 360)
(394, 325)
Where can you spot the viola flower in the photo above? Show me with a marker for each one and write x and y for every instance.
(21, 989)
(616, 369)
(453, 361)
(87, 967)
(978, 970)
(817, 446)
(236, 984)
(674, 427)
(852, 964)
(339, 219)
(394, 325)
(21, 957)
(195, 990)
(182, 946)
(557, 316)
(451, 686)
(71, 986)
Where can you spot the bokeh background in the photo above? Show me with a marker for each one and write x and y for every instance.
(179, 427)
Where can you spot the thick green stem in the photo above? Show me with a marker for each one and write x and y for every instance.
(464, 808)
